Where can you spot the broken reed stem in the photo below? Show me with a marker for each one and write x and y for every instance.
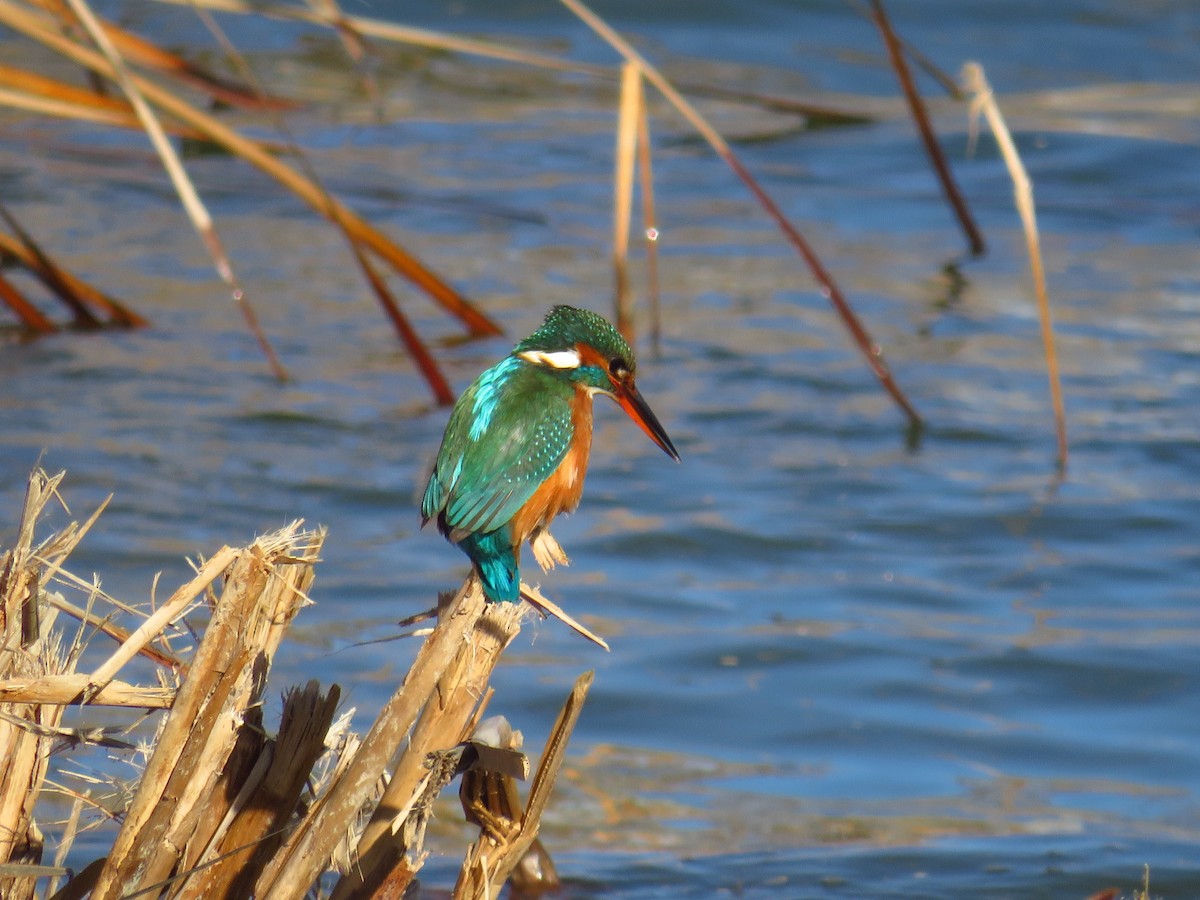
(447, 42)
(633, 154)
(192, 204)
(984, 101)
(214, 812)
(26, 729)
(629, 114)
(921, 116)
(161, 617)
(352, 42)
(392, 31)
(69, 689)
(870, 350)
(116, 632)
(78, 296)
(426, 363)
(932, 69)
(141, 52)
(445, 722)
(492, 858)
(253, 828)
(63, 283)
(462, 630)
(180, 796)
(31, 317)
(44, 269)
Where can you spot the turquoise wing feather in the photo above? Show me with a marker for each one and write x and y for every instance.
(508, 432)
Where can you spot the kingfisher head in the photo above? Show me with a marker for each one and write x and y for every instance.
(582, 347)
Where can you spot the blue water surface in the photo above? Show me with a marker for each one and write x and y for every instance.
(843, 663)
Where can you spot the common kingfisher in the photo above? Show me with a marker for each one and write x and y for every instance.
(515, 451)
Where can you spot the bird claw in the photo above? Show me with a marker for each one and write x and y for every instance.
(546, 550)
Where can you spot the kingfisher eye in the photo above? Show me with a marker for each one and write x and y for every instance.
(618, 367)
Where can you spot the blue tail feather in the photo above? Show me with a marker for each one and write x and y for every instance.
(496, 563)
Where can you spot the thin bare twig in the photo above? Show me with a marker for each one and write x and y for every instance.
(921, 116)
(932, 69)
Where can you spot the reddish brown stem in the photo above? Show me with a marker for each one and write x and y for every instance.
(31, 317)
(217, 251)
(442, 391)
(921, 116)
(932, 69)
(77, 295)
(870, 350)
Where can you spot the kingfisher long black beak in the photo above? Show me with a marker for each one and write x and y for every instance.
(639, 410)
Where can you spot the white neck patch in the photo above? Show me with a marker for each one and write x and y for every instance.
(559, 359)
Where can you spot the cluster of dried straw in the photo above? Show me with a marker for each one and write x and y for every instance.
(223, 808)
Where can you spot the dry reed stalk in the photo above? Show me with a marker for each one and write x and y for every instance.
(353, 42)
(982, 100)
(81, 298)
(196, 211)
(66, 840)
(466, 626)
(391, 31)
(932, 69)
(217, 797)
(183, 777)
(27, 650)
(548, 608)
(504, 841)
(396, 827)
(31, 317)
(37, 27)
(925, 128)
(48, 96)
(68, 689)
(116, 632)
(426, 363)
(136, 49)
(162, 617)
(628, 117)
(253, 829)
(44, 269)
(871, 351)
(99, 111)
(379, 29)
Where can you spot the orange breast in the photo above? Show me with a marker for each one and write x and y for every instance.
(562, 490)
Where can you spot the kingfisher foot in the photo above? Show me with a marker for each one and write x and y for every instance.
(546, 550)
